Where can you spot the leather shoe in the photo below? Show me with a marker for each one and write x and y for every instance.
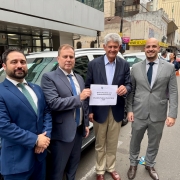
(100, 177)
(132, 172)
(115, 175)
(152, 172)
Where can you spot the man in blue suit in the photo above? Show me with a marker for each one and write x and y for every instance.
(25, 122)
(65, 95)
(108, 70)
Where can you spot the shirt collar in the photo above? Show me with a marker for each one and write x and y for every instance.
(66, 72)
(106, 61)
(156, 61)
(16, 82)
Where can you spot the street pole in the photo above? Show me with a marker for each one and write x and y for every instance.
(122, 15)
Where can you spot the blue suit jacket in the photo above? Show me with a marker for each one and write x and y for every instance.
(19, 128)
(59, 96)
(97, 75)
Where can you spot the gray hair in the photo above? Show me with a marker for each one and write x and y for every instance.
(112, 37)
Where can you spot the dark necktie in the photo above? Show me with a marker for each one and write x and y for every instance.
(28, 96)
(149, 72)
(77, 119)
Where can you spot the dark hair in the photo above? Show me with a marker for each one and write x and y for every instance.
(8, 51)
(174, 55)
(163, 53)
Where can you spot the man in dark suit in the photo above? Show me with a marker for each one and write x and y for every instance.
(65, 94)
(147, 105)
(25, 122)
(108, 70)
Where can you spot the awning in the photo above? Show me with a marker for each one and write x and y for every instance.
(172, 27)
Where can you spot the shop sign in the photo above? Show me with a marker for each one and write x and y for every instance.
(125, 39)
(143, 42)
(163, 44)
(137, 42)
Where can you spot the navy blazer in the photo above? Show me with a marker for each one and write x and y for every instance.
(59, 96)
(97, 75)
(20, 126)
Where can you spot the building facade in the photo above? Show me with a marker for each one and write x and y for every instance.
(44, 25)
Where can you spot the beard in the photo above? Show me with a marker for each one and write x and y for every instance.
(17, 73)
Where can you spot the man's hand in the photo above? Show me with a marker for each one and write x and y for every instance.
(39, 150)
(87, 132)
(43, 141)
(130, 116)
(170, 121)
(84, 94)
(91, 115)
(121, 90)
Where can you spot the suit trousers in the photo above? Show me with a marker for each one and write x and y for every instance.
(154, 132)
(65, 157)
(38, 172)
(106, 135)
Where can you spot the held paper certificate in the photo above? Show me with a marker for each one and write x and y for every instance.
(103, 95)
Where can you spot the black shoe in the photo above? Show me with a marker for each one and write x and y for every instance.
(132, 172)
(152, 172)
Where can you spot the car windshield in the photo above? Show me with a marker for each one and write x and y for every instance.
(134, 59)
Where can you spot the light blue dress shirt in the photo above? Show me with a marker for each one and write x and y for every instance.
(110, 69)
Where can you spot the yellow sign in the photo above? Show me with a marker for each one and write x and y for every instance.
(143, 42)
(137, 42)
(121, 34)
(163, 44)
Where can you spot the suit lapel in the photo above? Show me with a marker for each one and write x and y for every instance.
(102, 69)
(79, 82)
(11, 87)
(64, 79)
(160, 67)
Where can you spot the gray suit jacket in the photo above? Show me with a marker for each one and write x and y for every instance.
(144, 101)
(59, 96)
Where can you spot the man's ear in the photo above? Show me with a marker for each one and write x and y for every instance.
(4, 66)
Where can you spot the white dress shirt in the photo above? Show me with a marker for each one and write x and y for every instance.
(32, 93)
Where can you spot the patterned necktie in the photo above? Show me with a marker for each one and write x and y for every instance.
(150, 71)
(28, 96)
(77, 119)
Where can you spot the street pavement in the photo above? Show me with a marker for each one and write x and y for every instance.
(167, 161)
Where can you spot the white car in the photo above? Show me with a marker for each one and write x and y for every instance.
(133, 58)
(42, 62)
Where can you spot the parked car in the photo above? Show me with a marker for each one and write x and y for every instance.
(42, 62)
(133, 58)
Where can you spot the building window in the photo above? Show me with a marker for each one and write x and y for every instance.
(97, 4)
(79, 45)
(92, 44)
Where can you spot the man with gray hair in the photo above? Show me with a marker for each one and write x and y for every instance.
(164, 55)
(109, 69)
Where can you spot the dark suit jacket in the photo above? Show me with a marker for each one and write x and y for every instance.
(19, 127)
(97, 75)
(59, 96)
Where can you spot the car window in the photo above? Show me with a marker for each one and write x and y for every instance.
(39, 67)
(132, 60)
(81, 66)
(178, 55)
(95, 56)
